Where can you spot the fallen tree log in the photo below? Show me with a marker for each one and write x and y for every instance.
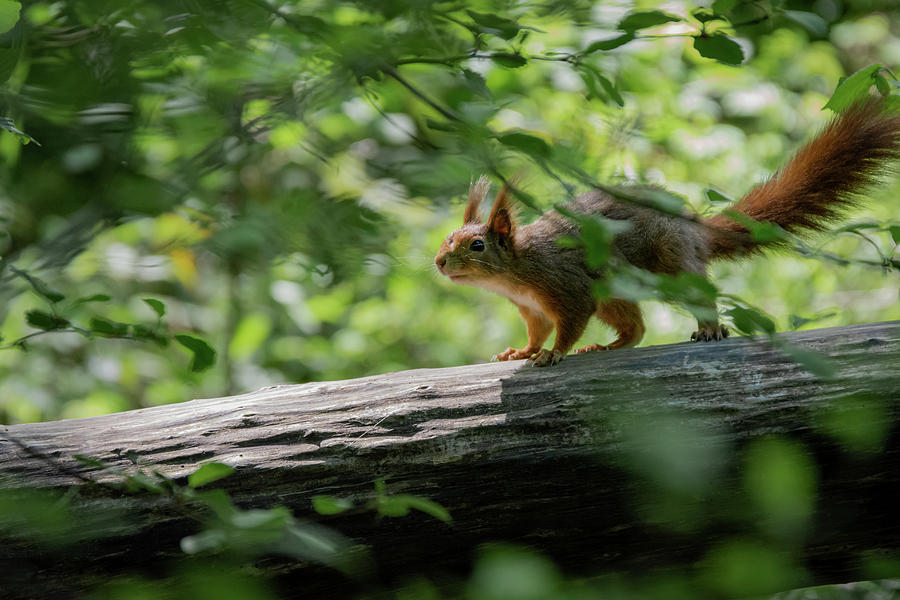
(628, 461)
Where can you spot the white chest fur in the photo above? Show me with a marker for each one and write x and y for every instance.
(519, 296)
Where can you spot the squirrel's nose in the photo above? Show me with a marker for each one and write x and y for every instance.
(440, 261)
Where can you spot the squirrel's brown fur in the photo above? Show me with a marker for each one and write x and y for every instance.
(551, 284)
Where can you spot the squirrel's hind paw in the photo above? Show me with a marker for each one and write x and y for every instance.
(592, 348)
(546, 358)
(710, 333)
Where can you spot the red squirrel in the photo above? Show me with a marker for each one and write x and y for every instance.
(551, 284)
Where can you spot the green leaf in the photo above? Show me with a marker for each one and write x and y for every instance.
(441, 125)
(508, 60)
(882, 85)
(39, 286)
(329, 505)
(495, 25)
(106, 327)
(91, 462)
(44, 320)
(9, 58)
(860, 226)
(811, 21)
(208, 473)
(250, 334)
(8, 125)
(610, 89)
(815, 363)
(392, 506)
(723, 6)
(645, 19)
(604, 45)
(428, 507)
(158, 307)
(142, 481)
(217, 500)
(94, 298)
(895, 233)
(797, 321)
(704, 15)
(719, 47)
(716, 197)
(751, 321)
(9, 15)
(142, 332)
(529, 144)
(204, 354)
(853, 88)
(763, 231)
(476, 83)
(211, 539)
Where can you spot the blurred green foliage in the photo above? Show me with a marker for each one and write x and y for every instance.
(265, 183)
(278, 176)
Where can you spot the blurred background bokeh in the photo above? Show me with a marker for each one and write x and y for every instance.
(279, 176)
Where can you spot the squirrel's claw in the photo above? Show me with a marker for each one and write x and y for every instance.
(710, 333)
(546, 358)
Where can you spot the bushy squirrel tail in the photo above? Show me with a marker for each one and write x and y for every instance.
(820, 182)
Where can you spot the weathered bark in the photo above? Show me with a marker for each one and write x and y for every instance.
(550, 458)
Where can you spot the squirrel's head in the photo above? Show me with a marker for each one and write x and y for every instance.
(480, 251)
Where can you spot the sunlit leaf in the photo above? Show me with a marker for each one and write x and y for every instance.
(428, 507)
(209, 472)
(853, 88)
(251, 332)
(329, 505)
(716, 197)
(9, 14)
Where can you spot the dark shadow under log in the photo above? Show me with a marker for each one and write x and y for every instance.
(632, 461)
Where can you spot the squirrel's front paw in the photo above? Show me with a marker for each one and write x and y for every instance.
(710, 333)
(546, 358)
(513, 354)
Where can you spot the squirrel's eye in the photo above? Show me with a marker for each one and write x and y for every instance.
(477, 246)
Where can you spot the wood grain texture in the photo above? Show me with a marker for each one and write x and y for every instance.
(550, 458)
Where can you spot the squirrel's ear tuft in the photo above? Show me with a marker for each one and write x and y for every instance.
(477, 192)
(502, 220)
